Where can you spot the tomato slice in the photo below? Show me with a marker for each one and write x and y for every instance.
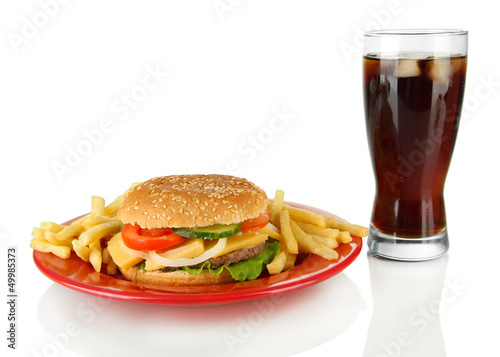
(137, 238)
(256, 223)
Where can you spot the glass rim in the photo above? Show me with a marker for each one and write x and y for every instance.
(416, 32)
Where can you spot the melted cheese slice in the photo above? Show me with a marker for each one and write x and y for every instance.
(238, 241)
(122, 258)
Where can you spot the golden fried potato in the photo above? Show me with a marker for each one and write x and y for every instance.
(43, 246)
(306, 216)
(278, 263)
(276, 207)
(354, 229)
(291, 245)
(308, 245)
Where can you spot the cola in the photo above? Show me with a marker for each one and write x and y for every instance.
(412, 106)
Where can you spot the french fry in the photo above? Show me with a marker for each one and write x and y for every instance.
(276, 207)
(304, 240)
(277, 264)
(52, 227)
(95, 256)
(51, 238)
(111, 209)
(354, 229)
(329, 242)
(61, 251)
(94, 220)
(38, 233)
(81, 250)
(112, 268)
(73, 230)
(313, 229)
(290, 261)
(306, 216)
(308, 245)
(106, 258)
(291, 245)
(97, 205)
(344, 237)
(94, 234)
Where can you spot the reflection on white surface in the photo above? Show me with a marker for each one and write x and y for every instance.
(284, 325)
(408, 298)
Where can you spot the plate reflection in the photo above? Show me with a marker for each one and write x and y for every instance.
(408, 298)
(284, 324)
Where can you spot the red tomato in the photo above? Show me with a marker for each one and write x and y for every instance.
(138, 238)
(256, 223)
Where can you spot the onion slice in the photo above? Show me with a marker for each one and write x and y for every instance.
(180, 262)
(272, 227)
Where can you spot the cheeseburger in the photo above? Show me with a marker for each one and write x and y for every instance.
(193, 230)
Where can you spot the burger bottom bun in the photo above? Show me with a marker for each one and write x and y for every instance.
(175, 278)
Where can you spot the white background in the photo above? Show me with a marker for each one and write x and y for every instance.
(67, 69)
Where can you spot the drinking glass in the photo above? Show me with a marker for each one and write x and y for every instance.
(413, 86)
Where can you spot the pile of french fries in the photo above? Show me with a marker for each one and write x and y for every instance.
(86, 236)
(304, 231)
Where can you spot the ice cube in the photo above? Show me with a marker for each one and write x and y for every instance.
(407, 68)
(442, 69)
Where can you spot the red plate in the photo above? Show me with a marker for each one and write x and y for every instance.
(311, 269)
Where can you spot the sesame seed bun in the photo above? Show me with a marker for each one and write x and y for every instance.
(191, 201)
(175, 278)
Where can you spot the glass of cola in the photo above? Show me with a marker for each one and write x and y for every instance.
(413, 87)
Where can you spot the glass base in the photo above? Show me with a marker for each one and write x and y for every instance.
(408, 249)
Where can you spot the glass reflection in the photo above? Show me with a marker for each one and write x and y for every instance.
(408, 298)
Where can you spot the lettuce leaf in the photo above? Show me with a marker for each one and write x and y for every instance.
(249, 269)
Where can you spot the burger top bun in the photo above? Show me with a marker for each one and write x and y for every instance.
(191, 201)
